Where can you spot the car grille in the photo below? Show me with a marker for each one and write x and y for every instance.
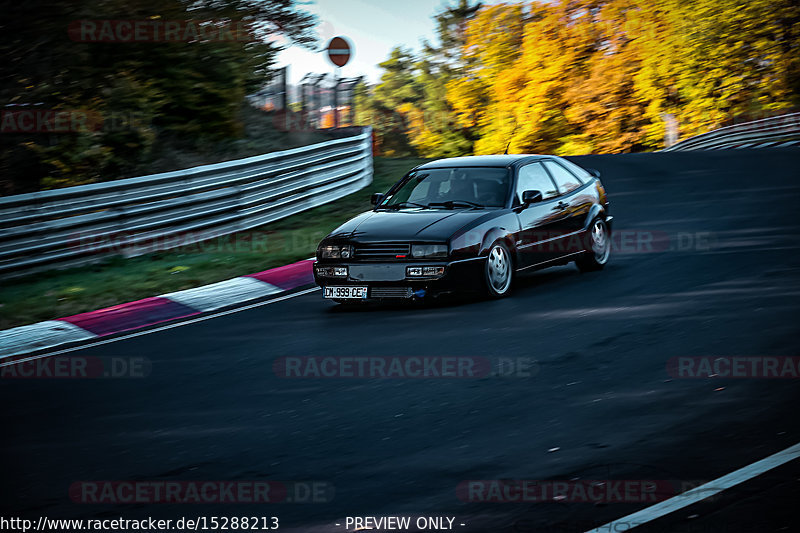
(390, 292)
(381, 252)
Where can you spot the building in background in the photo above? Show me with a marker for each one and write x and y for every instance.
(327, 101)
(275, 95)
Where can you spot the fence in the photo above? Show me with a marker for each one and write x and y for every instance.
(780, 128)
(328, 101)
(274, 95)
(43, 230)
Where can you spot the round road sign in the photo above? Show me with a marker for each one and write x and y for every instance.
(339, 51)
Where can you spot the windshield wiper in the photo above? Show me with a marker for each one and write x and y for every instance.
(450, 204)
(398, 205)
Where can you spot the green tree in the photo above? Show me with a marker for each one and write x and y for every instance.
(435, 131)
(409, 109)
(391, 101)
(187, 91)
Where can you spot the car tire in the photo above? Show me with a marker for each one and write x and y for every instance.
(498, 273)
(598, 247)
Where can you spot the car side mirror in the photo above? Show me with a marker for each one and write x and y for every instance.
(531, 197)
(376, 198)
(593, 172)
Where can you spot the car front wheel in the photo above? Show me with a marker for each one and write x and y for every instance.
(499, 271)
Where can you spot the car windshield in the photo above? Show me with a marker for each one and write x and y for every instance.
(451, 188)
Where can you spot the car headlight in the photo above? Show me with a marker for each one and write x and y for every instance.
(429, 251)
(335, 252)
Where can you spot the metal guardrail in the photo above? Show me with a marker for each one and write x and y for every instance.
(784, 127)
(80, 225)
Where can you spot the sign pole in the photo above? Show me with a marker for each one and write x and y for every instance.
(336, 77)
(339, 51)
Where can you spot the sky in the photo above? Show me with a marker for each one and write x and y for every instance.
(373, 27)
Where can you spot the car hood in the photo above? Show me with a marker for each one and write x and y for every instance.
(407, 225)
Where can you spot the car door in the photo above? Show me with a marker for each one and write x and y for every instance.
(539, 222)
(574, 201)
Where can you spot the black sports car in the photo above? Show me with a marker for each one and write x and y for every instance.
(468, 223)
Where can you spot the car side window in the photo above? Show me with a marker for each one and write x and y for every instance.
(581, 173)
(564, 179)
(533, 177)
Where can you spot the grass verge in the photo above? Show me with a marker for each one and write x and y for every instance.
(60, 293)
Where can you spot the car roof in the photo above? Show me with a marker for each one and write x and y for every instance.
(504, 160)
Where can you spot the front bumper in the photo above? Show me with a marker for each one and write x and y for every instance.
(390, 280)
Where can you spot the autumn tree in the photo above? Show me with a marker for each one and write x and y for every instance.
(434, 129)
(484, 94)
(603, 113)
(409, 109)
(579, 76)
(591, 76)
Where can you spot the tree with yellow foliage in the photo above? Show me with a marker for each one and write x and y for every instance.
(602, 76)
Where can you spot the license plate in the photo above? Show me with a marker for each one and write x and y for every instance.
(346, 293)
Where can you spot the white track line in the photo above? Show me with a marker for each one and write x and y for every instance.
(702, 492)
(161, 328)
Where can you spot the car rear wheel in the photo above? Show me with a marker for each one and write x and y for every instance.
(598, 247)
(499, 271)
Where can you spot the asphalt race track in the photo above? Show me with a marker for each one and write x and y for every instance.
(706, 264)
